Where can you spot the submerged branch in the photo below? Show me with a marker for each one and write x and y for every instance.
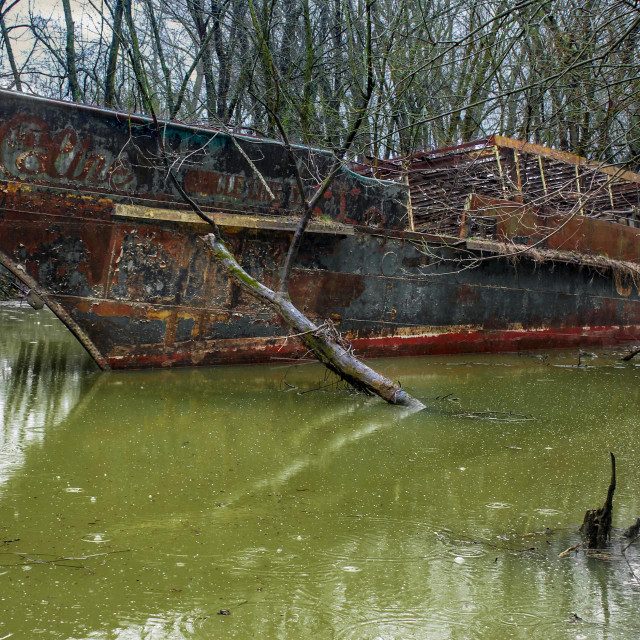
(573, 547)
(497, 416)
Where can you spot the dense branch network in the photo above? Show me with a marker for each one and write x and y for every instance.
(559, 72)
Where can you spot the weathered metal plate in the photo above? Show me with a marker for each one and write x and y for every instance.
(585, 235)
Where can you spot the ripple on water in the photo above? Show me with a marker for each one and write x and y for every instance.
(466, 608)
(375, 540)
(498, 505)
(284, 566)
(408, 525)
(523, 622)
(172, 626)
(532, 625)
(466, 552)
(96, 538)
(408, 625)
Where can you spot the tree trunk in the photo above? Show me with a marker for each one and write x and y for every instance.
(72, 72)
(596, 527)
(12, 62)
(110, 79)
(199, 17)
(155, 30)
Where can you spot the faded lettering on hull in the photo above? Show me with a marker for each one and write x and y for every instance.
(29, 149)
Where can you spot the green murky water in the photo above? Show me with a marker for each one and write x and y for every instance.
(140, 505)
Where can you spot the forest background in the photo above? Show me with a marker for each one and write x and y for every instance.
(563, 73)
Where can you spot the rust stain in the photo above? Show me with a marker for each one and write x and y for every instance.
(240, 351)
(624, 284)
(466, 294)
(315, 292)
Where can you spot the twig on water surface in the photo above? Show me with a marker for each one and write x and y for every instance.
(95, 555)
(498, 416)
(631, 354)
(326, 386)
(57, 561)
(569, 550)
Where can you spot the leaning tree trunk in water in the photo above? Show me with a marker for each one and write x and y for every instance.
(596, 527)
(321, 343)
(326, 346)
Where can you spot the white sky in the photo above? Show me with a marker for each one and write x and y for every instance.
(84, 17)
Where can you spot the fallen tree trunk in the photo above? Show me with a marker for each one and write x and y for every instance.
(327, 348)
(596, 527)
(631, 354)
(321, 343)
(336, 357)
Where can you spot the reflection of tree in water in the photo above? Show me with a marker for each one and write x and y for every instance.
(42, 377)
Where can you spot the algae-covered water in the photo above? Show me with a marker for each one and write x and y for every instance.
(241, 503)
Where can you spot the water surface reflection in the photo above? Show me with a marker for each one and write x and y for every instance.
(143, 504)
(43, 374)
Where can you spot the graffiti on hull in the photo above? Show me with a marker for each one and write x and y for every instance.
(29, 149)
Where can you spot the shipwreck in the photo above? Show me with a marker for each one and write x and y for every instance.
(495, 245)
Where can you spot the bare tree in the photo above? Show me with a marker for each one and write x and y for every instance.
(5, 7)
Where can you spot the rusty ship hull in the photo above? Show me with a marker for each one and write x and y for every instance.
(89, 222)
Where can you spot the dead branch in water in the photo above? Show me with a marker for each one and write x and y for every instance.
(570, 549)
(596, 527)
(496, 416)
(631, 354)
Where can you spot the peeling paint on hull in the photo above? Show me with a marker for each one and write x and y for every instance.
(134, 278)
